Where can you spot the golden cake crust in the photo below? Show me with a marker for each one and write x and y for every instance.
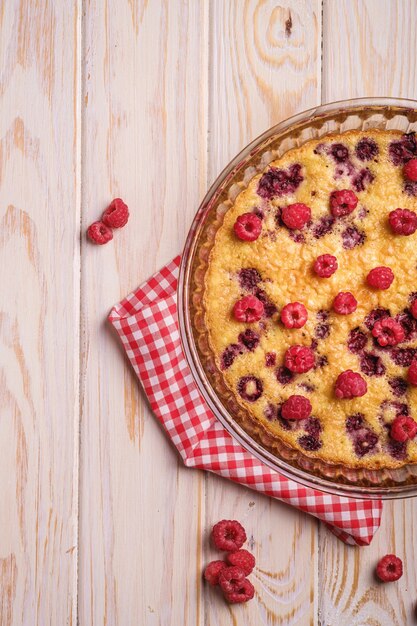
(285, 267)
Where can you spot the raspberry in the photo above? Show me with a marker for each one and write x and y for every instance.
(414, 309)
(250, 388)
(250, 339)
(371, 364)
(296, 216)
(99, 233)
(310, 443)
(410, 170)
(398, 385)
(229, 355)
(325, 265)
(344, 303)
(389, 568)
(284, 375)
(228, 535)
(355, 422)
(117, 214)
(296, 408)
(357, 340)
(388, 332)
(212, 572)
(243, 559)
(361, 180)
(403, 221)
(249, 278)
(299, 359)
(412, 373)
(366, 149)
(277, 182)
(339, 152)
(294, 315)
(323, 226)
(248, 309)
(350, 385)
(244, 592)
(380, 277)
(248, 227)
(231, 578)
(342, 202)
(403, 428)
(270, 359)
(352, 237)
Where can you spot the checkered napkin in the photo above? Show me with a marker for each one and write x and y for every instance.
(147, 325)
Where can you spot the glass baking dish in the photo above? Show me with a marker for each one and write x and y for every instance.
(337, 117)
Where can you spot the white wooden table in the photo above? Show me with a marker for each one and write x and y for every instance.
(148, 100)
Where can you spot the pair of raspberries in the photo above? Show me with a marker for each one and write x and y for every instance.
(115, 216)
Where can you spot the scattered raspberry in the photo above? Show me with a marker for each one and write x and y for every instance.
(244, 592)
(350, 385)
(410, 170)
(357, 340)
(412, 373)
(325, 265)
(248, 227)
(294, 315)
(388, 332)
(296, 408)
(342, 202)
(99, 233)
(228, 535)
(299, 359)
(243, 559)
(212, 572)
(344, 303)
(296, 216)
(248, 309)
(403, 221)
(403, 428)
(389, 568)
(231, 578)
(380, 277)
(117, 214)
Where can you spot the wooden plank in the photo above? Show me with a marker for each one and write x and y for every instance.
(145, 131)
(39, 311)
(364, 54)
(264, 66)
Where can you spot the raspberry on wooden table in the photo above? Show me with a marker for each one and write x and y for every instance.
(412, 373)
(388, 332)
(248, 227)
(349, 384)
(228, 535)
(243, 593)
(380, 277)
(243, 559)
(99, 233)
(294, 315)
(403, 428)
(325, 265)
(117, 214)
(296, 216)
(212, 572)
(296, 408)
(231, 578)
(248, 309)
(345, 303)
(410, 170)
(403, 222)
(389, 568)
(299, 359)
(342, 202)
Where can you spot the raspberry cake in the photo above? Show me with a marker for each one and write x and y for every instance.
(310, 300)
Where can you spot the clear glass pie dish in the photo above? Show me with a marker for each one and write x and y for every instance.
(338, 117)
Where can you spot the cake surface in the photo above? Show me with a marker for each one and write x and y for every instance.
(277, 268)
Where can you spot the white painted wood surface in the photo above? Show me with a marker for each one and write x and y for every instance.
(148, 100)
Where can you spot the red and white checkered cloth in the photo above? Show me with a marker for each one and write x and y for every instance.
(147, 324)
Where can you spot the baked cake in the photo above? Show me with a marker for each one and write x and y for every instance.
(311, 299)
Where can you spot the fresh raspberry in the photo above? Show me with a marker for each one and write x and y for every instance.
(412, 373)
(212, 572)
(243, 559)
(299, 359)
(248, 227)
(117, 214)
(248, 309)
(99, 233)
(342, 202)
(228, 535)
(296, 216)
(410, 170)
(388, 332)
(344, 303)
(389, 568)
(414, 308)
(350, 385)
(294, 315)
(296, 408)
(380, 277)
(243, 593)
(230, 578)
(325, 265)
(403, 221)
(403, 428)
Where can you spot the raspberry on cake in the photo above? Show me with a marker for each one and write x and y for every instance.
(412, 373)
(342, 202)
(380, 277)
(403, 222)
(350, 385)
(345, 303)
(248, 309)
(294, 315)
(410, 170)
(248, 227)
(403, 428)
(388, 332)
(296, 216)
(325, 265)
(296, 408)
(299, 359)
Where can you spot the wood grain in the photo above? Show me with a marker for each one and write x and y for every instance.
(39, 311)
(369, 48)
